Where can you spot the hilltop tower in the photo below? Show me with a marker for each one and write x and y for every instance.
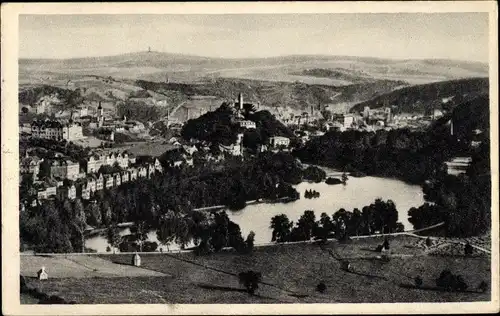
(149, 49)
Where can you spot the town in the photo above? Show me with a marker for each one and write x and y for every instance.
(70, 179)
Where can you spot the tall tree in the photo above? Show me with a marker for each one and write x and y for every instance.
(139, 233)
(281, 226)
(167, 229)
(113, 237)
(80, 222)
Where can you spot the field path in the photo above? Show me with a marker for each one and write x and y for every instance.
(80, 266)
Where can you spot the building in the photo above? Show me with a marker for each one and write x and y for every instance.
(83, 190)
(64, 169)
(125, 175)
(94, 162)
(67, 192)
(278, 142)
(109, 181)
(106, 134)
(99, 182)
(117, 178)
(30, 165)
(261, 148)
(190, 149)
(348, 120)
(247, 124)
(142, 172)
(133, 174)
(51, 190)
(122, 160)
(92, 185)
(56, 130)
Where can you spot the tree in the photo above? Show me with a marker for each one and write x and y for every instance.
(250, 280)
(281, 226)
(250, 241)
(325, 226)
(305, 226)
(79, 222)
(113, 237)
(248, 108)
(182, 233)
(139, 233)
(167, 228)
(93, 214)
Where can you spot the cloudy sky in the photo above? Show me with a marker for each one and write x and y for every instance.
(462, 36)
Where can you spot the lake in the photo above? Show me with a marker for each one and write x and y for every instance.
(358, 192)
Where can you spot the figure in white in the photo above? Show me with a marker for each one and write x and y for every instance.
(42, 274)
(137, 260)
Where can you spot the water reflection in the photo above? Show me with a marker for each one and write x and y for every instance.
(358, 192)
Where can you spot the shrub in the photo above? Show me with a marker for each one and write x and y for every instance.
(149, 246)
(483, 286)
(108, 249)
(250, 280)
(428, 242)
(53, 299)
(451, 282)
(321, 287)
(418, 281)
(468, 249)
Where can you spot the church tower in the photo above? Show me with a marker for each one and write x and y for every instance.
(100, 115)
(240, 101)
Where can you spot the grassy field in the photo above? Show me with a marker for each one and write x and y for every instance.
(290, 275)
(152, 148)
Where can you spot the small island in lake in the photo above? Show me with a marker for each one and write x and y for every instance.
(311, 194)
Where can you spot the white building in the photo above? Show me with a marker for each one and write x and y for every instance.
(279, 141)
(348, 120)
(56, 130)
(247, 124)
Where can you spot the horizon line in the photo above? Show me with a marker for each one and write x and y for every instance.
(253, 58)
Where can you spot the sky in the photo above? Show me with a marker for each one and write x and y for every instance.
(461, 36)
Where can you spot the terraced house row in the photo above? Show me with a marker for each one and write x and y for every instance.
(66, 179)
(85, 187)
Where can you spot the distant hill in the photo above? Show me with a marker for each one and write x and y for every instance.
(276, 94)
(348, 75)
(443, 95)
(156, 66)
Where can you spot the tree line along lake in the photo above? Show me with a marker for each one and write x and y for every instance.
(356, 193)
